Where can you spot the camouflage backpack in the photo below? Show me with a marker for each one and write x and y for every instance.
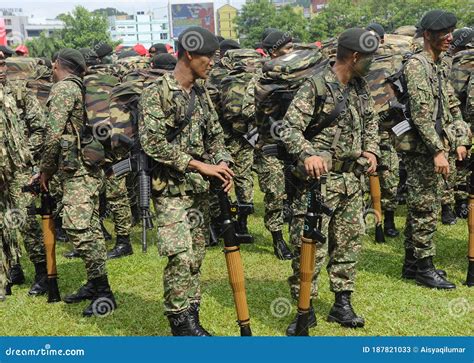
(22, 68)
(462, 80)
(130, 64)
(282, 77)
(124, 109)
(242, 65)
(387, 62)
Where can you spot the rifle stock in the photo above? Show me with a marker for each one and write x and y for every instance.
(470, 252)
(376, 196)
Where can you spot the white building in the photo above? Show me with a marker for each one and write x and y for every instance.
(146, 28)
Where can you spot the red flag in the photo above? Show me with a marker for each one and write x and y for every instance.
(3, 32)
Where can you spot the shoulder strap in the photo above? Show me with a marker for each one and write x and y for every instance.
(82, 87)
(341, 101)
(187, 118)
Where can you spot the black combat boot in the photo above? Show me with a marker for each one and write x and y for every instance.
(8, 289)
(103, 303)
(342, 312)
(40, 285)
(17, 277)
(426, 275)
(184, 324)
(280, 249)
(60, 234)
(291, 330)
(73, 254)
(85, 292)
(105, 233)
(195, 315)
(447, 215)
(461, 208)
(242, 224)
(122, 248)
(389, 224)
(410, 267)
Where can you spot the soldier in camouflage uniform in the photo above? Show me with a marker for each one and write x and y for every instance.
(270, 170)
(14, 157)
(352, 141)
(439, 129)
(462, 56)
(32, 118)
(81, 183)
(389, 176)
(180, 187)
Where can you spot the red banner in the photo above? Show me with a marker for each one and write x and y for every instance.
(3, 32)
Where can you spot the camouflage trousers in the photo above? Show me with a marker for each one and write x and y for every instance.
(4, 244)
(389, 178)
(343, 239)
(81, 222)
(28, 225)
(423, 204)
(271, 179)
(119, 204)
(242, 153)
(457, 178)
(182, 224)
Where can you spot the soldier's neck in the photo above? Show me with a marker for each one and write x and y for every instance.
(433, 52)
(184, 76)
(343, 72)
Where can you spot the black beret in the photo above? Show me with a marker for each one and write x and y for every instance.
(376, 28)
(462, 37)
(267, 32)
(54, 57)
(6, 50)
(90, 56)
(163, 61)
(276, 40)
(73, 58)
(127, 54)
(437, 20)
(229, 44)
(159, 48)
(198, 40)
(359, 40)
(103, 49)
(220, 38)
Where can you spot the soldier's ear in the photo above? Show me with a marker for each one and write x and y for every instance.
(189, 56)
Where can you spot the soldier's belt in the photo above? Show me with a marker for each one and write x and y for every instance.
(343, 166)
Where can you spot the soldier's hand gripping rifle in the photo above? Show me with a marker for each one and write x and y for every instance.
(234, 261)
(49, 237)
(311, 236)
(139, 163)
(376, 196)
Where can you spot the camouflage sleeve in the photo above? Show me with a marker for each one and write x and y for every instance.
(463, 134)
(152, 131)
(421, 101)
(370, 136)
(214, 143)
(248, 103)
(296, 120)
(215, 95)
(60, 105)
(36, 122)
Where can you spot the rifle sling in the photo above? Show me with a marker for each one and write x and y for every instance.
(187, 119)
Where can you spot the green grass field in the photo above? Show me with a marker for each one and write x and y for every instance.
(390, 305)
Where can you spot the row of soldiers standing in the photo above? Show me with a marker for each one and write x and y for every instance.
(204, 150)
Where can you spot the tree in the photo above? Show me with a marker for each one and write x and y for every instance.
(82, 29)
(254, 17)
